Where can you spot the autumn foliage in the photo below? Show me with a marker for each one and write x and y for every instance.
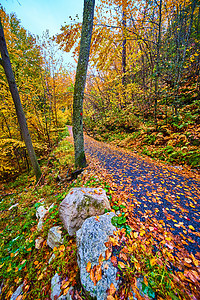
(143, 77)
(45, 90)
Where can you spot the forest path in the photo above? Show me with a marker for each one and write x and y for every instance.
(158, 191)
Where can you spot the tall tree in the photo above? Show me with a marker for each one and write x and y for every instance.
(5, 62)
(81, 72)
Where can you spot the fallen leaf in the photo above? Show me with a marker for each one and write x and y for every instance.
(41, 276)
(191, 227)
(88, 267)
(188, 260)
(110, 297)
(61, 248)
(92, 277)
(123, 256)
(107, 254)
(112, 289)
(114, 261)
(98, 273)
(101, 259)
(121, 264)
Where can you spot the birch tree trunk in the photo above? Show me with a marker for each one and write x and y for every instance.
(81, 72)
(5, 62)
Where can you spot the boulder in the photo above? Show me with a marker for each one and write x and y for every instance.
(54, 238)
(40, 213)
(91, 239)
(80, 204)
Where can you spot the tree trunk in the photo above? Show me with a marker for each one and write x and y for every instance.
(158, 63)
(5, 61)
(124, 6)
(81, 72)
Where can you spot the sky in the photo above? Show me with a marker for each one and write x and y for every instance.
(38, 15)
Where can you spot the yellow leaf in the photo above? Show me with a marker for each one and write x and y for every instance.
(191, 227)
(153, 261)
(66, 290)
(41, 276)
(195, 261)
(61, 248)
(135, 234)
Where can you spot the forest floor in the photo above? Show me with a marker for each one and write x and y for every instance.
(158, 216)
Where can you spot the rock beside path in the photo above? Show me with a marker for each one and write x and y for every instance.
(54, 238)
(91, 239)
(17, 293)
(80, 204)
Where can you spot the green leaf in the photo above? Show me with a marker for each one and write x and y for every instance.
(114, 221)
(121, 220)
(122, 206)
(115, 207)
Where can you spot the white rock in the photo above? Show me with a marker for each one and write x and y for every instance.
(41, 212)
(52, 258)
(54, 238)
(17, 292)
(80, 204)
(55, 286)
(90, 241)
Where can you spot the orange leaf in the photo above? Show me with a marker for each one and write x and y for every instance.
(114, 261)
(88, 267)
(98, 273)
(92, 277)
(107, 254)
(112, 289)
(123, 256)
(61, 248)
(110, 297)
(101, 259)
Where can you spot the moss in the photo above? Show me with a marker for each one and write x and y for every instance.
(87, 202)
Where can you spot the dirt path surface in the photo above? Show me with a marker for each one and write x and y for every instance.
(169, 194)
